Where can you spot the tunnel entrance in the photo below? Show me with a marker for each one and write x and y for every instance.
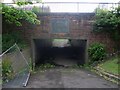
(66, 52)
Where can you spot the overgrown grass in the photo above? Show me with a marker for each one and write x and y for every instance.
(7, 70)
(111, 65)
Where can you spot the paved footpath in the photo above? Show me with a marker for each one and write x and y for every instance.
(67, 78)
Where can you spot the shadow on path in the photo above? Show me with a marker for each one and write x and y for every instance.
(67, 78)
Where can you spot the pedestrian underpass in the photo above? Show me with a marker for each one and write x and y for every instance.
(66, 52)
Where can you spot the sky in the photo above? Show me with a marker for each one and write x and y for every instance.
(77, 7)
(113, 1)
(74, 7)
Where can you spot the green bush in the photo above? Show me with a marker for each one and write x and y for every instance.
(14, 16)
(96, 52)
(107, 21)
(11, 38)
(7, 70)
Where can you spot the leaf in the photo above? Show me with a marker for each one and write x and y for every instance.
(14, 16)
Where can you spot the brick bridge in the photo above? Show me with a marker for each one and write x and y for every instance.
(75, 26)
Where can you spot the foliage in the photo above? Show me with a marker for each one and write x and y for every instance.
(108, 21)
(85, 66)
(96, 52)
(0, 9)
(10, 38)
(15, 1)
(36, 9)
(13, 15)
(23, 3)
(46, 66)
(7, 70)
(77, 66)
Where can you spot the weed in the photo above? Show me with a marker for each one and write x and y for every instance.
(46, 66)
(7, 71)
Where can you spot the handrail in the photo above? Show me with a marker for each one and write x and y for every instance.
(7, 50)
(76, 6)
(71, 3)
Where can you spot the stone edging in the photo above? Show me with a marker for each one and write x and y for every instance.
(108, 76)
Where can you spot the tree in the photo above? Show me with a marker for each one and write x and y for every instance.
(13, 15)
(108, 21)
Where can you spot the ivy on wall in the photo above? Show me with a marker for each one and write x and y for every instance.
(108, 21)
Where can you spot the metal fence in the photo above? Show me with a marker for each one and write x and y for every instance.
(73, 7)
(15, 68)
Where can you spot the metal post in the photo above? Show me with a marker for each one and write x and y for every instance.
(77, 6)
(42, 6)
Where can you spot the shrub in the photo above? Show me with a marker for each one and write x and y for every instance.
(96, 52)
(7, 70)
(9, 39)
(107, 21)
(14, 16)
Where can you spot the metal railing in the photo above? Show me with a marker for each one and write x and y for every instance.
(74, 7)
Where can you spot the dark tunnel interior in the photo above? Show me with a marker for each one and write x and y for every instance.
(49, 50)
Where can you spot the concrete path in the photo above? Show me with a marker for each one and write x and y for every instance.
(67, 78)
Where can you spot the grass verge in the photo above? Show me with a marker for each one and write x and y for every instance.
(111, 66)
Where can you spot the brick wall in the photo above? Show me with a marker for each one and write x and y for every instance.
(80, 27)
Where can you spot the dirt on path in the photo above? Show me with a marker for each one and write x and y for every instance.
(67, 78)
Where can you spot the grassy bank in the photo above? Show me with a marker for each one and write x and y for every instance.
(111, 66)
